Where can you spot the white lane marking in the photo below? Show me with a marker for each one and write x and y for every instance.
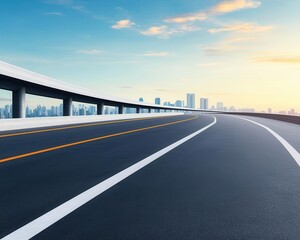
(294, 153)
(41, 223)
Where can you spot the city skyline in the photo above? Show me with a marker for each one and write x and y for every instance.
(236, 51)
(80, 109)
(33, 102)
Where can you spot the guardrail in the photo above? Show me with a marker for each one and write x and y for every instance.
(280, 117)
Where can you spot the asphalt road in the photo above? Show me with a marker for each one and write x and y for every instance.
(234, 180)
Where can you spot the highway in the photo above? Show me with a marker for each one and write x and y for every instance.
(183, 177)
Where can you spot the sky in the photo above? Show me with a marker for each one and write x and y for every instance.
(244, 53)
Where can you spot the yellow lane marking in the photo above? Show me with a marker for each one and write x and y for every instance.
(91, 140)
(77, 126)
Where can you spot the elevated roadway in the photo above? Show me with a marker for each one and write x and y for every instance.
(177, 177)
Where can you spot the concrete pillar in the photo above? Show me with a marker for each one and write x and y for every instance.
(138, 110)
(18, 103)
(67, 105)
(121, 109)
(100, 108)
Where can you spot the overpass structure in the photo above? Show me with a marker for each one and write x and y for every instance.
(21, 81)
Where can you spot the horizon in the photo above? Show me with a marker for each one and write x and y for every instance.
(238, 51)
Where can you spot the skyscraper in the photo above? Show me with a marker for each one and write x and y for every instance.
(157, 101)
(204, 103)
(190, 100)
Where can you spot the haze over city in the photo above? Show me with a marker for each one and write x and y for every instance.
(240, 52)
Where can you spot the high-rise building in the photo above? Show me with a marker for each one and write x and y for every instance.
(157, 101)
(190, 98)
(204, 103)
(178, 103)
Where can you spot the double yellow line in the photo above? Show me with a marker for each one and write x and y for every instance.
(90, 140)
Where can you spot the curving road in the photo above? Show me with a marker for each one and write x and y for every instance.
(183, 177)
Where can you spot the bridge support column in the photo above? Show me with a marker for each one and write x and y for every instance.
(100, 108)
(18, 103)
(67, 107)
(121, 109)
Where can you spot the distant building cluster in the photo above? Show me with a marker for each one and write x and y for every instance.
(82, 109)
(204, 105)
(53, 111)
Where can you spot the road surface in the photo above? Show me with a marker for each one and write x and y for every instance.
(230, 179)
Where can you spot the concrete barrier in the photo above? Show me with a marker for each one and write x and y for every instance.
(19, 123)
(280, 117)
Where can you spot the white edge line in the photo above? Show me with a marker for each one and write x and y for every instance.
(292, 151)
(41, 223)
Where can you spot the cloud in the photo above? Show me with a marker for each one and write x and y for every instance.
(242, 28)
(165, 31)
(234, 5)
(221, 8)
(218, 49)
(234, 44)
(155, 30)
(126, 23)
(156, 54)
(228, 45)
(54, 13)
(278, 59)
(200, 16)
(89, 52)
(69, 4)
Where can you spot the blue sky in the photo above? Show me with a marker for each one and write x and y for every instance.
(242, 52)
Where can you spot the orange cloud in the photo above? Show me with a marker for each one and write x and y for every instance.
(221, 8)
(200, 16)
(279, 59)
(126, 23)
(152, 31)
(166, 31)
(242, 27)
(234, 5)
